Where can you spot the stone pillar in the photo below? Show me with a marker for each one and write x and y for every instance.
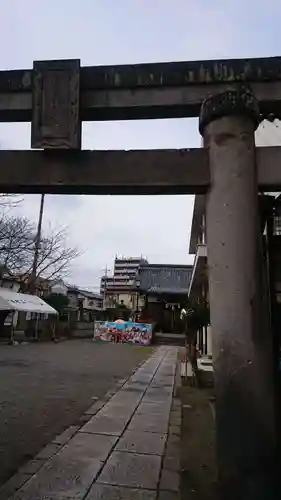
(241, 340)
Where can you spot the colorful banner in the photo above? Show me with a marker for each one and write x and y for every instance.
(135, 333)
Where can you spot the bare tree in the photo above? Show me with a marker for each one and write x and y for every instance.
(55, 257)
(17, 244)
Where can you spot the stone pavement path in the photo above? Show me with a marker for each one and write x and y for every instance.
(120, 453)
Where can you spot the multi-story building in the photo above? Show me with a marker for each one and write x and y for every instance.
(119, 288)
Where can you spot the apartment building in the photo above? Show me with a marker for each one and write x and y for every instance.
(120, 287)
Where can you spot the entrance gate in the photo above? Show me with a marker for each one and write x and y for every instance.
(230, 98)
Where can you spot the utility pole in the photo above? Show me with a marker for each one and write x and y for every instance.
(106, 270)
(32, 282)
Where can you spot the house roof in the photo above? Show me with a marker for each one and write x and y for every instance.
(165, 278)
(85, 293)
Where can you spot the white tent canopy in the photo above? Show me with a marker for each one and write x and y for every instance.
(13, 301)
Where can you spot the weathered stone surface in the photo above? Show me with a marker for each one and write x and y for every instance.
(108, 395)
(84, 419)
(13, 484)
(132, 470)
(103, 424)
(154, 423)
(175, 429)
(94, 446)
(126, 397)
(70, 473)
(142, 378)
(95, 407)
(154, 408)
(56, 119)
(120, 383)
(105, 492)
(65, 436)
(60, 479)
(134, 387)
(158, 395)
(173, 439)
(170, 480)
(49, 451)
(163, 393)
(168, 495)
(118, 409)
(32, 466)
(132, 473)
(142, 442)
(175, 420)
(176, 412)
(172, 450)
(171, 463)
(164, 381)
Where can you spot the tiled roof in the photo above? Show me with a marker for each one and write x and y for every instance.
(85, 293)
(173, 279)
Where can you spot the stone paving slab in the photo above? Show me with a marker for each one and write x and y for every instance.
(118, 409)
(142, 378)
(32, 466)
(118, 453)
(60, 479)
(95, 407)
(49, 451)
(104, 424)
(13, 484)
(65, 436)
(70, 473)
(154, 423)
(170, 480)
(131, 469)
(157, 395)
(105, 492)
(152, 408)
(128, 399)
(93, 447)
(142, 442)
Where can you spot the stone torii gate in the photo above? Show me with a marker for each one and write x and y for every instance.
(230, 97)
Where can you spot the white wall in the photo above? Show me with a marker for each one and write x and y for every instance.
(12, 285)
(59, 287)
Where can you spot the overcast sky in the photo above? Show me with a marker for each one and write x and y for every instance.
(101, 32)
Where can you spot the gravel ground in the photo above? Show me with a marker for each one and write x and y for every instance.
(44, 388)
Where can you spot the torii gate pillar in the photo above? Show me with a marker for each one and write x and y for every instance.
(242, 347)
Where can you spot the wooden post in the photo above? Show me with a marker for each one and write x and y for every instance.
(242, 343)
